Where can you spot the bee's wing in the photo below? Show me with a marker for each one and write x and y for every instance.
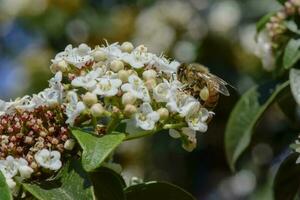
(219, 84)
(222, 89)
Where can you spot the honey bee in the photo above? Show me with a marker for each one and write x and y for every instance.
(201, 84)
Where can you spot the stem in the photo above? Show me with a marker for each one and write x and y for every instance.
(113, 123)
(174, 126)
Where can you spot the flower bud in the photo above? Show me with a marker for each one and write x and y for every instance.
(149, 74)
(62, 66)
(99, 55)
(11, 183)
(123, 75)
(54, 68)
(129, 110)
(97, 110)
(90, 99)
(127, 47)
(163, 113)
(150, 84)
(128, 98)
(116, 65)
(25, 171)
(69, 144)
(83, 48)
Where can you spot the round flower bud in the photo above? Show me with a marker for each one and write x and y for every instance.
(89, 99)
(129, 110)
(54, 68)
(25, 171)
(97, 110)
(116, 65)
(123, 75)
(11, 183)
(83, 48)
(149, 74)
(99, 55)
(163, 113)
(127, 47)
(69, 144)
(128, 98)
(62, 66)
(150, 84)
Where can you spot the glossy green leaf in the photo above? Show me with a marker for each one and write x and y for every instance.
(291, 53)
(157, 190)
(108, 185)
(72, 183)
(246, 115)
(4, 189)
(96, 149)
(287, 180)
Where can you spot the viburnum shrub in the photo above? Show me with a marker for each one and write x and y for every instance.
(279, 48)
(55, 144)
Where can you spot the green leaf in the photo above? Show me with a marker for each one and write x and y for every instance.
(157, 190)
(260, 25)
(4, 189)
(287, 179)
(108, 185)
(295, 84)
(292, 26)
(245, 115)
(73, 183)
(291, 53)
(96, 149)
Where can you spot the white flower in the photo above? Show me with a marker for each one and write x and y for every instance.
(48, 159)
(197, 120)
(75, 56)
(136, 87)
(138, 58)
(163, 91)
(3, 107)
(190, 142)
(165, 65)
(23, 168)
(107, 86)
(182, 104)
(88, 81)
(9, 167)
(265, 52)
(11, 183)
(113, 51)
(23, 103)
(73, 108)
(145, 117)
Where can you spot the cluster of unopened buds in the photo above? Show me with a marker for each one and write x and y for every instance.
(276, 26)
(99, 89)
(273, 36)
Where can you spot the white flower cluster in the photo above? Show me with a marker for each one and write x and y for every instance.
(48, 97)
(18, 167)
(142, 86)
(101, 88)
